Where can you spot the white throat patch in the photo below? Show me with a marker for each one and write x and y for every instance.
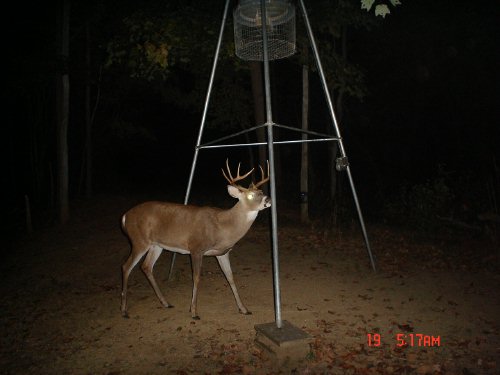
(252, 215)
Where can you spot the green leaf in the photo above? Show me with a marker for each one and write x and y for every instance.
(367, 4)
(382, 10)
(395, 2)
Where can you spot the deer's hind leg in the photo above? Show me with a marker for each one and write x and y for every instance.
(135, 255)
(147, 267)
(196, 261)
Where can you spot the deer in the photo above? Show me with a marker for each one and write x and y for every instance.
(199, 231)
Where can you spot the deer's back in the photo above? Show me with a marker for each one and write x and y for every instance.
(169, 224)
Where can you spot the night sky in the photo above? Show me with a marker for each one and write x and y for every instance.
(429, 116)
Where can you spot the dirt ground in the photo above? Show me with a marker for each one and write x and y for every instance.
(60, 303)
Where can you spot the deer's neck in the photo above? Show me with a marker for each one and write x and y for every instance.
(233, 224)
(240, 216)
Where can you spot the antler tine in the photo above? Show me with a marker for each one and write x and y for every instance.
(224, 173)
(232, 179)
(245, 175)
(263, 180)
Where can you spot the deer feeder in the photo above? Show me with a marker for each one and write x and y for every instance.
(280, 29)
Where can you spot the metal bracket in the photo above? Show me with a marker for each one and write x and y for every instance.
(341, 163)
(303, 197)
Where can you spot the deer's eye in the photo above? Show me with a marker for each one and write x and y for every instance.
(250, 196)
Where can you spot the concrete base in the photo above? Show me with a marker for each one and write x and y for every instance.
(287, 342)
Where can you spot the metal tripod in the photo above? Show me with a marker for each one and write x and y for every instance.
(342, 162)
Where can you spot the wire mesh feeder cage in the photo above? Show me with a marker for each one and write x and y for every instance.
(280, 29)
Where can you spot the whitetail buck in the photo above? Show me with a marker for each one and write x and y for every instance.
(198, 231)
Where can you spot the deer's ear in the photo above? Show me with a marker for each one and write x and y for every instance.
(233, 191)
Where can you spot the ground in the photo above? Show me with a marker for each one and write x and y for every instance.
(60, 303)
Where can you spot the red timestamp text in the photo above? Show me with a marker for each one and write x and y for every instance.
(406, 339)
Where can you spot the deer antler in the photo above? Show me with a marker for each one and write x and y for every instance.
(262, 180)
(232, 180)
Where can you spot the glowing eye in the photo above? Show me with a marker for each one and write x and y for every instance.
(250, 196)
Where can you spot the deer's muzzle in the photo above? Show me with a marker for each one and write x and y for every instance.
(267, 202)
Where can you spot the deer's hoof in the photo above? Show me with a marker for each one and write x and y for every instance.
(245, 312)
(125, 315)
(196, 317)
(169, 306)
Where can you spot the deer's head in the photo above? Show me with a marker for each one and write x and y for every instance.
(252, 198)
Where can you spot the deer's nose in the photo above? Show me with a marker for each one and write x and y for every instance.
(267, 202)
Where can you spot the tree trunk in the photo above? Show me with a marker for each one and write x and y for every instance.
(62, 103)
(88, 117)
(304, 165)
(332, 156)
(339, 112)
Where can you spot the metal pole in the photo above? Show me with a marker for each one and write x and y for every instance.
(336, 128)
(203, 118)
(270, 147)
(275, 142)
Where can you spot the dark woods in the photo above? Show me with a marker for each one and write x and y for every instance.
(106, 98)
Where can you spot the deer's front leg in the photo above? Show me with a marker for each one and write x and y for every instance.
(196, 260)
(225, 265)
